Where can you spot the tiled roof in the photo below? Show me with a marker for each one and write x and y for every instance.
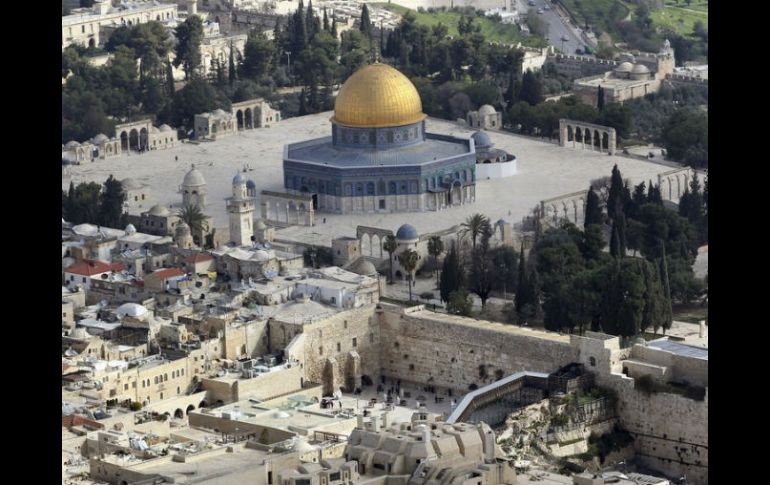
(91, 267)
(166, 273)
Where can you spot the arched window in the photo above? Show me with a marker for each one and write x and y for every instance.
(393, 190)
(381, 187)
(370, 188)
(592, 361)
(360, 188)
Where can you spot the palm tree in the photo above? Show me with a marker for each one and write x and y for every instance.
(435, 248)
(408, 260)
(474, 225)
(195, 218)
(390, 245)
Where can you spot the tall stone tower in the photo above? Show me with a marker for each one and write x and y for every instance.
(182, 236)
(241, 209)
(192, 7)
(193, 189)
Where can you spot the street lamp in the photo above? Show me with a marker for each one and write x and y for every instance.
(288, 57)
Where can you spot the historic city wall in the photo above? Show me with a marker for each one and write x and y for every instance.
(454, 352)
(331, 346)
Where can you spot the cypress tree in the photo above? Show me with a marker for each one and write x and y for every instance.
(366, 23)
(615, 240)
(231, 65)
(302, 103)
(621, 220)
(69, 208)
(593, 213)
(451, 274)
(522, 288)
(169, 79)
(310, 21)
(615, 198)
(600, 99)
(325, 20)
(334, 26)
(668, 312)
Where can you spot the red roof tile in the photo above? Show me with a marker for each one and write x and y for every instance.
(166, 273)
(198, 258)
(89, 267)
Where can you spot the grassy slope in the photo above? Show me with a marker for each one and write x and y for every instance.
(492, 31)
(682, 18)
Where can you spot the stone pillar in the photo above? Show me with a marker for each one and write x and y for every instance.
(612, 142)
(562, 133)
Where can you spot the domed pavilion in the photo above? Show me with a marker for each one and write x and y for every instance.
(379, 157)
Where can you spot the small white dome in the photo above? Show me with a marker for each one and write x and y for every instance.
(72, 144)
(624, 67)
(154, 130)
(487, 110)
(260, 224)
(131, 310)
(219, 112)
(101, 137)
(182, 229)
(281, 415)
(159, 210)
(194, 178)
(130, 230)
(165, 127)
(640, 69)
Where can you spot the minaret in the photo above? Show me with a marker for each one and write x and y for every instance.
(193, 189)
(241, 209)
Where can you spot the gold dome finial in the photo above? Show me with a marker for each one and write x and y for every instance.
(378, 96)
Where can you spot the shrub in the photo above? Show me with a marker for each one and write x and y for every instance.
(135, 406)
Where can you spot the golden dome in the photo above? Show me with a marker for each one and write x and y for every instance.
(378, 96)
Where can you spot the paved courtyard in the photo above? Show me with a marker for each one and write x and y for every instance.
(545, 170)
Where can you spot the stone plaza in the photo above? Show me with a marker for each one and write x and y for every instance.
(545, 170)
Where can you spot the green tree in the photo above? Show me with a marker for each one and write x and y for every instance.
(196, 97)
(654, 312)
(593, 210)
(390, 245)
(474, 226)
(531, 88)
(452, 277)
(435, 248)
(257, 56)
(366, 24)
(617, 116)
(459, 303)
(111, 202)
(193, 217)
(231, 71)
(600, 99)
(189, 35)
(408, 259)
(482, 270)
(615, 198)
(685, 137)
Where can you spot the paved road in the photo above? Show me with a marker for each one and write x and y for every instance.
(557, 29)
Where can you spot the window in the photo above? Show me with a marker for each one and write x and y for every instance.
(125, 386)
(84, 279)
(64, 315)
(133, 385)
(320, 350)
(82, 29)
(339, 347)
(355, 342)
(382, 203)
(346, 324)
(371, 338)
(592, 361)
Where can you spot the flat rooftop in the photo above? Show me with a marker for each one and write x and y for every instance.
(680, 349)
(322, 152)
(487, 325)
(545, 170)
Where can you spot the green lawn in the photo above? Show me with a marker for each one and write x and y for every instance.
(680, 20)
(700, 5)
(493, 31)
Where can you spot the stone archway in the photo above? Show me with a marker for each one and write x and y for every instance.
(376, 246)
(366, 245)
(248, 119)
(133, 140)
(124, 141)
(239, 119)
(143, 141)
(189, 408)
